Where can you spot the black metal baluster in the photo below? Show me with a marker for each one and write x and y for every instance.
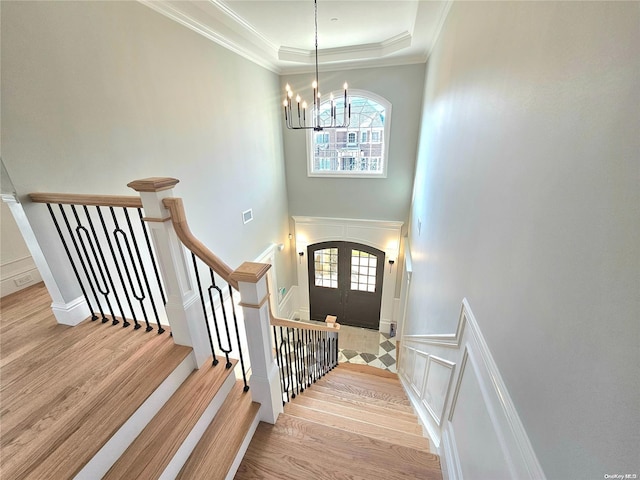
(143, 271)
(314, 348)
(120, 236)
(73, 264)
(204, 309)
(279, 362)
(103, 288)
(300, 361)
(324, 353)
(84, 267)
(114, 320)
(307, 357)
(117, 264)
(293, 374)
(287, 364)
(215, 287)
(235, 323)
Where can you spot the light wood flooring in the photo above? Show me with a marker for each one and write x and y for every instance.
(356, 422)
(65, 390)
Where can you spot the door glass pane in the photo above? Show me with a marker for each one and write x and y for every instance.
(363, 271)
(326, 267)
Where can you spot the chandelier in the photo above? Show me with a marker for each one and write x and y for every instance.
(315, 112)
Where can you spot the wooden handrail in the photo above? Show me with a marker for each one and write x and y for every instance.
(179, 221)
(90, 200)
(283, 322)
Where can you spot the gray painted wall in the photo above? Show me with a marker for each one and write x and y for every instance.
(96, 94)
(527, 194)
(378, 199)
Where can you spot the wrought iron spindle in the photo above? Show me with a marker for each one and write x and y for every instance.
(82, 262)
(143, 272)
(240, 356)
(94, 317)
(280, 365)
(210, 290)
(104, 269)
(120, 239)
(136, 324)
(204, 309)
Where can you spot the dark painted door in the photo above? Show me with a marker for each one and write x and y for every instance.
(345, 280)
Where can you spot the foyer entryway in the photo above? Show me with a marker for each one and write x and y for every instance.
(345, 280)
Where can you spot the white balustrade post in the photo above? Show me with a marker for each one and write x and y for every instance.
(183, 309)
(264, 381)
(66, 313)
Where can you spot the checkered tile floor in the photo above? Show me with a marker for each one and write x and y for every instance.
(384, 359)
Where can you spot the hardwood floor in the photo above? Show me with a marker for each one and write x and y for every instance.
(65, 390)
(355, 422)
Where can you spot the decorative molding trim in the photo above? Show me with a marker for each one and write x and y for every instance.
(433, 360)
(189, 20)
(446, 339)
(463, 366)
(514, 442)
(71, 313)
(441, 21)
(352, 52)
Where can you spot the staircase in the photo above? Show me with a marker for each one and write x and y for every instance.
(101, 401)
(355, 422)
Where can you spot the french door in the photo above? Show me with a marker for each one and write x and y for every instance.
(345, 280)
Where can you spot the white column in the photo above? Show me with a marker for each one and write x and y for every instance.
(71, 313)
(183, 308)
(264, 381)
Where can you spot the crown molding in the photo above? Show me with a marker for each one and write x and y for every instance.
(203, 23)
(350, 53)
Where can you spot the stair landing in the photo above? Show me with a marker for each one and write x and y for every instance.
(65, 390)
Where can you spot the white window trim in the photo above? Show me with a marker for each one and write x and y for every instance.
(386, 136)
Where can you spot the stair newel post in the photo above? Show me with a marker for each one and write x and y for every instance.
(182, 307)
(264, 381)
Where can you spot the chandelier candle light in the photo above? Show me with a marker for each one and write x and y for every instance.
(315, 117)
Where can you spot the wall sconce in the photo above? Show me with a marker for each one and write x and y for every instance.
(281, 247)
(391, 262)
(300, 254)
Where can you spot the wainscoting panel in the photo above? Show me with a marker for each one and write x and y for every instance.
(418, 372)
(438, 377)
(463, 404)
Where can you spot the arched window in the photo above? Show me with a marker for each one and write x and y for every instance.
(359, 150)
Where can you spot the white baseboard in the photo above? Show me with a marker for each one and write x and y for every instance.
(456, 388)
(18, 275)
(71, 313)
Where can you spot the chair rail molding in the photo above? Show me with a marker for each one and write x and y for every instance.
(461, 399)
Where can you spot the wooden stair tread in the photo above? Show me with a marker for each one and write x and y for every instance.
(368, 382)
(358, 403)
(387, 419)
(82, 428)
(354, 396)
(153, 449)
(393, 396)
(296, 448)
(213, 456)
(340, 371)
(358, 426)
(368, 370)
